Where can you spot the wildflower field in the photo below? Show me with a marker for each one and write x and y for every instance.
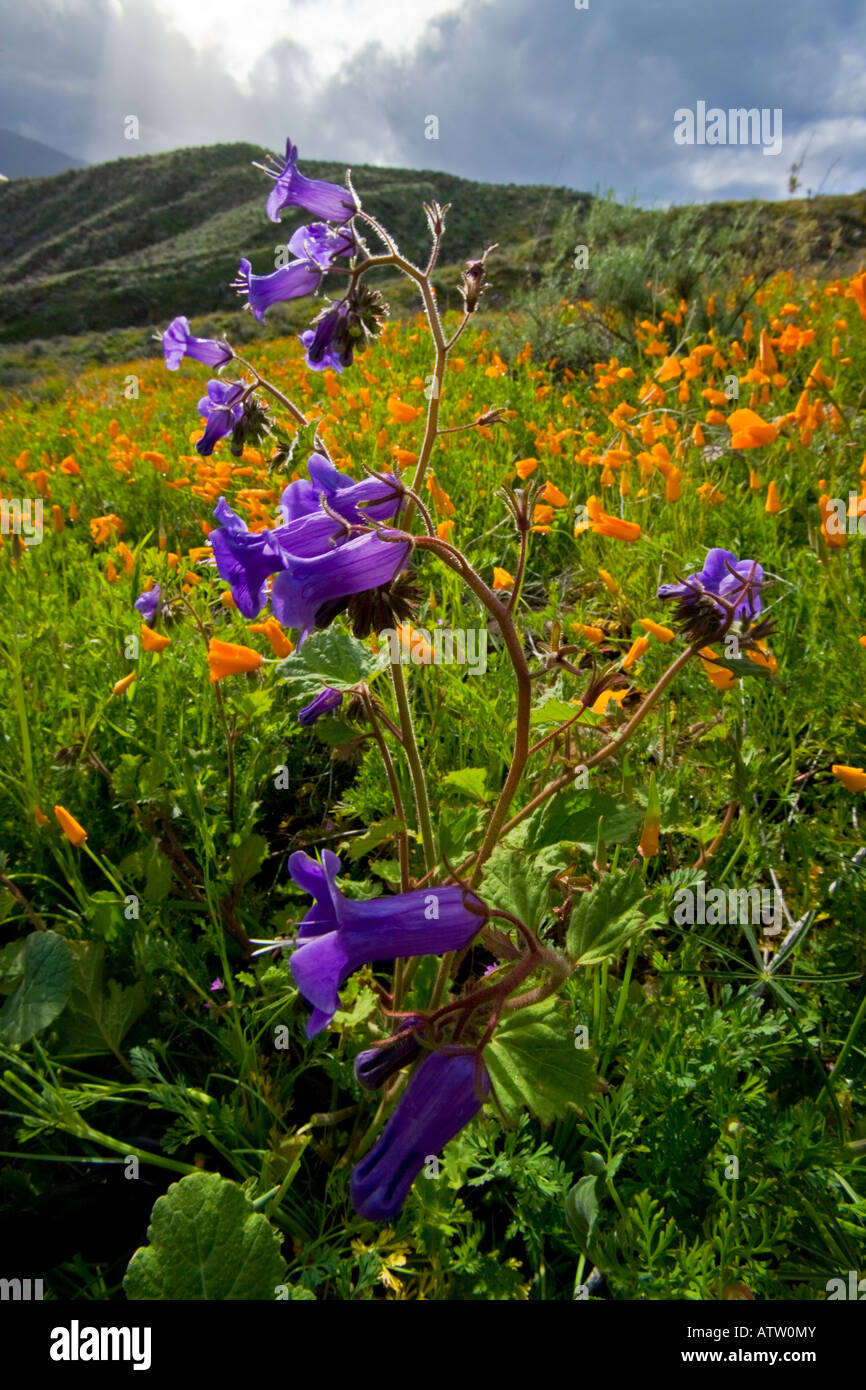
(465, 903)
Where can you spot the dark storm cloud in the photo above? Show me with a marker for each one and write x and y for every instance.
(522, 91)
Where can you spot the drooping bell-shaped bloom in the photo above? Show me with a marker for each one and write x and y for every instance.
(343, 495)
(245, 559)
(321, 244)
(291, 281)
(292, 189)
(178, 342)
(339, 934)
(222, 408)
(309, 593)
(149, 603)
(374, 1065)
(723, 576)
(330, 342)
(322, 704)
(442, 1096)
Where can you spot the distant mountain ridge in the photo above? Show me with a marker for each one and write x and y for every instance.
(23, 158)
(133, 242)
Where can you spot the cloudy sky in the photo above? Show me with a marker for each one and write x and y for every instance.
(524, 91)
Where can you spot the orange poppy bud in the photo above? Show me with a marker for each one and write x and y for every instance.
(75, 833)
(609, 582)
(123, 684)
(774, 501)
(664, 634)
(635, 652)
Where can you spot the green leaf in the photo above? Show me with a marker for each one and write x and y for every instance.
(335, 732)
(581, 1210)
(375, 834)
(12, 965)
(96, 1021)
(534, 1065)
(388, 869)
(573, 818)
(458, 831)
(471, 781)
(44, 990)
(158, 873)
(605, 919)
(247, 858)
(105, 914)
(205, 1242)
(513, 882)
(553, 712)
(330, 658)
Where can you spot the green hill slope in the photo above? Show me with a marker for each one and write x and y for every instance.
(136, 241)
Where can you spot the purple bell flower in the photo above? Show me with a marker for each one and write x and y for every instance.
(442, 1096)
(222, 409)
(338, 934)
(149, 603)
(291, 189)
(305, 592)
(716, 579)
(291, 281)
(178, 342)
(244, 559)
(376, 1064)
(321, 244)
(322, 704)
(329, 342)
(342, 494)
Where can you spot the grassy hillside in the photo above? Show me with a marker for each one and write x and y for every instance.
(94, 261)
(136, 241)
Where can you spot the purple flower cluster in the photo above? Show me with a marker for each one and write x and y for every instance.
(310, 253)
(447, 1089)
(314, 559)
(318, 559)
(725, 591)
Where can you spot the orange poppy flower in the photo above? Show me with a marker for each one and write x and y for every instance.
(749, 431)
(153, 641)
(280, 644)
(853, 779)
(230, 659)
